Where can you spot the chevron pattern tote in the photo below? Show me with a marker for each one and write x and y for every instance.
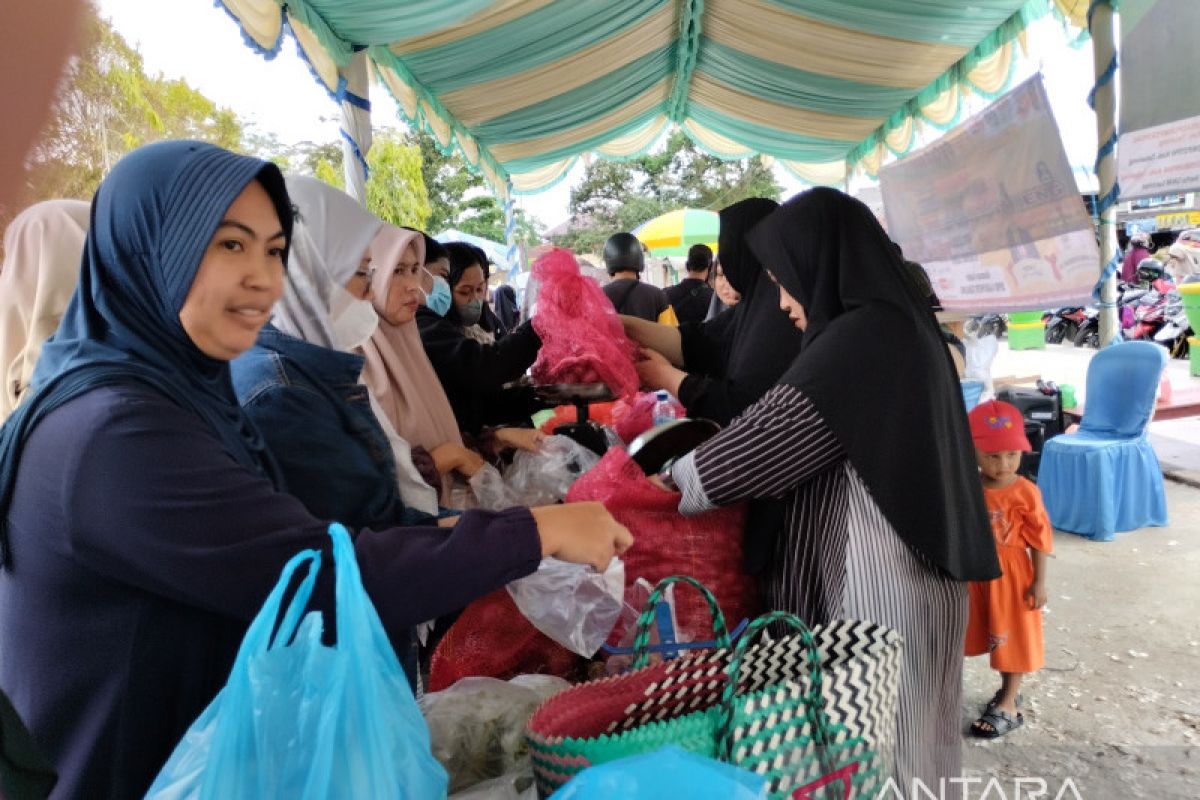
(812, 710)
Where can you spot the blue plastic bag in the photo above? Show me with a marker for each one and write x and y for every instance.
(668, 772)
(298, 719)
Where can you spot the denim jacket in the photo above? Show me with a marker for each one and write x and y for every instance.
(318, 424)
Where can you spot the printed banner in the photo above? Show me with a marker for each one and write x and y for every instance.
(1159, 149)
(992, 212)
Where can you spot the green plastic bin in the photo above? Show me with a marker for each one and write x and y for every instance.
(1027, 335)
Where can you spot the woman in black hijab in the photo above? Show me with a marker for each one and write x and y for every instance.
(866, 437)
(719, 367)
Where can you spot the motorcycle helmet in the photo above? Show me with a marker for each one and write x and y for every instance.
(622, 253)
(1140, 238)
(1149, 270)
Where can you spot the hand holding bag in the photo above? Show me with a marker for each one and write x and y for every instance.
(299, 719)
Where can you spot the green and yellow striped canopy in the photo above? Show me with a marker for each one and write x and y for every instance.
(524, 87)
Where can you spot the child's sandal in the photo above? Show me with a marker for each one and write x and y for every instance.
(995, 701)
(999, 722)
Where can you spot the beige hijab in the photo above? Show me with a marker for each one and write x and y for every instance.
(398, 373)
(42, 250)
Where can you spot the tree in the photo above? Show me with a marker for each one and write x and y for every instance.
(396, 190)
(458, 197)
(107, 105)
(620, 195)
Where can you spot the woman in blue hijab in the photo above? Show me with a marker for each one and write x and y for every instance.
(141, 522)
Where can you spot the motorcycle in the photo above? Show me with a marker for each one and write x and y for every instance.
(986, 325)
(1088, 334)
(1129, 296)
(1175, 329)
(1062, 324)
(1148, 317)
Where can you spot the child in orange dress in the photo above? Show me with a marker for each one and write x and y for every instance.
(1005, 614)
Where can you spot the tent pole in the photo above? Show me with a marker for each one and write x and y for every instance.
(356, 124)
(1104, 102)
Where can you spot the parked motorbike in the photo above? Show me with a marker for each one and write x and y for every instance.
(986, 325)
(1175, 330)
(1148, 315)
(1063, 324)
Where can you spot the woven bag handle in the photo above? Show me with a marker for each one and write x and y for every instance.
(641, 642)
(814, 702)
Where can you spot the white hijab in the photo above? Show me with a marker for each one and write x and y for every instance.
(43, 247)
(331, 234)
(330, 237)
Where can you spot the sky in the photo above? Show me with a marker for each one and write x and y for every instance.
(197, 41)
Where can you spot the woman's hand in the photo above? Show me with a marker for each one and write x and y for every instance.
(520, 439)
(451, 457)
(656, 372)
(583, 533)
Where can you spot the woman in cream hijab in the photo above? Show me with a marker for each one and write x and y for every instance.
(42, 250)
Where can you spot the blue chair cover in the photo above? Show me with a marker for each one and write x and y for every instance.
(1105, 478)
(972, 391)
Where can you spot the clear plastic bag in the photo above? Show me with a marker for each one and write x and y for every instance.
(544, 477)
(981, 353)
(573, 604)
(534, 479)
(477, 731)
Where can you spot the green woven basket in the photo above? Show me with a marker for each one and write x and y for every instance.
(706, 703)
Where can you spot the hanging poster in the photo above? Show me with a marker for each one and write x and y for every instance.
(1159, 149)
(992, 212)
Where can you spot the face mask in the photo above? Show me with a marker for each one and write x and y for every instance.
(470, 312)
(354, 320)
(438, 299)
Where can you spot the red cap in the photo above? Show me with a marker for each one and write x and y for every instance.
(997, 427)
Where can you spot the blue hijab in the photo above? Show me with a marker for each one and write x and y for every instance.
(152, 220)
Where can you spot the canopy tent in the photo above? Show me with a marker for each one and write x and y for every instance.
(522, 88)
(496, 252)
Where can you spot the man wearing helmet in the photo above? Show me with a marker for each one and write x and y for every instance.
(625, 260)
(1139, 250)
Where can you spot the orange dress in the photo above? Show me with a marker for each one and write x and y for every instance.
(1000, 621)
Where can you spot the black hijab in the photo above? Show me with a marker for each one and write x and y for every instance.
(877, 370)
(743, 350)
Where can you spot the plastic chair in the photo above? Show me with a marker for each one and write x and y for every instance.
(1105, 478)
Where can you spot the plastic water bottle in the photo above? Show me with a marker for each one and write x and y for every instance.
(664, 409)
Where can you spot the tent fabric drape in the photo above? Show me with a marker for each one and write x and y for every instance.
(522, 88)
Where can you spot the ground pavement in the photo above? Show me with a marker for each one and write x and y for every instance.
(1116, 711)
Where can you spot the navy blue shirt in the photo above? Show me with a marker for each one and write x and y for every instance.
(141, 549)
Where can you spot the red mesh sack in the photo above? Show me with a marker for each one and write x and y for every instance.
(707, 547)
(632, 418)
(582, 337)
(492, 639)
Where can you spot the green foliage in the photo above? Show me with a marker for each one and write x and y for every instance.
(107, 106)
(458, 197)
(396, 190)
(620, 195)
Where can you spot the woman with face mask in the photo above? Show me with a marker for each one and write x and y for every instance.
(142, 521)
(300, 383)
(472, 367)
